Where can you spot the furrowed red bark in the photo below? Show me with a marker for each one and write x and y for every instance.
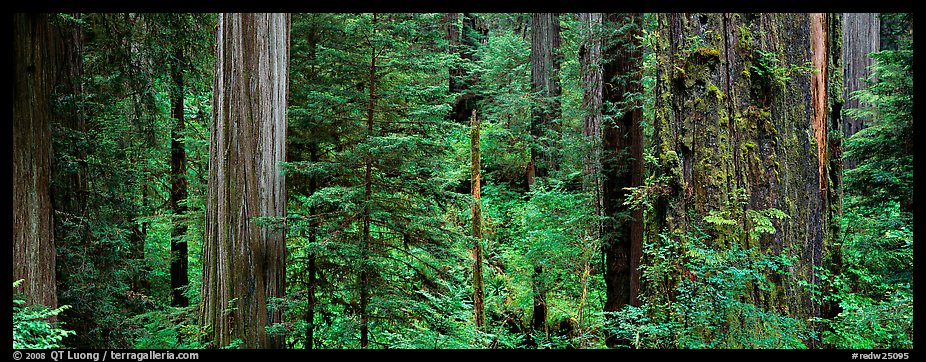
(38, 61)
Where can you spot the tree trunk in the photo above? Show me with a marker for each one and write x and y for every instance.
(70, 196)
(545, 65)
(475, 171)
(861, 36)
(721, 125)
(243, 260)
(545, 42)
(368, 196)
(179, 278)
(622, 162)
(590, 63)
(38, 62)
(313, 238)
(462, 43)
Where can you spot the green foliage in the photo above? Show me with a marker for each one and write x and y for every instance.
(411, 246)
(34, 326)
(884, 150)
(702, 286)
(505, 85)
(769, 68)
(168, 327)
(710, 286)
(873, 285)
(875, 290)
(111, 175)
(739, 222)
(557, 230)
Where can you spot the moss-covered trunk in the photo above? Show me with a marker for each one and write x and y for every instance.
(750, 102)
(244, 261)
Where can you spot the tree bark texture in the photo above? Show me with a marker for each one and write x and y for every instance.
(622, 161)
(244, 262)
(70, 196)
(720, 126)
(38, 65)
(590, 63)
(861, 36)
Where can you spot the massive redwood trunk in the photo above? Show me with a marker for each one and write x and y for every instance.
(38, 63)
(244, 259)
(736, 110)
(590, 63)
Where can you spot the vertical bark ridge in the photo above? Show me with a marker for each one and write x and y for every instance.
(244, 259)
(38, 60)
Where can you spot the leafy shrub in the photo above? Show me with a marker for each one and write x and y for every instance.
(169, 327)
(701, 287)
(34, 326)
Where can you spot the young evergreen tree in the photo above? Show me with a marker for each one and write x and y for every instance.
(873, 280)
(377, 114)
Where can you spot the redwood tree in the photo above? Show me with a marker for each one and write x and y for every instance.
(733, 115)
(545, 67)
(243, 257)
(39, 60)
(179, 276)
(622, 160)
(861, 37)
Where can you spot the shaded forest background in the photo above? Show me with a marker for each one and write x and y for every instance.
(463, 180)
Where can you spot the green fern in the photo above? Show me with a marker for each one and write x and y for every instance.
(32, 325)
